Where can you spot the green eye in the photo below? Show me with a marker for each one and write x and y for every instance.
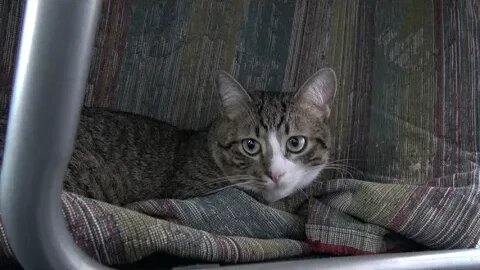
(296, 144)
(251, 146)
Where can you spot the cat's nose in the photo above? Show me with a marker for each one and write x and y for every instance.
(275, 176)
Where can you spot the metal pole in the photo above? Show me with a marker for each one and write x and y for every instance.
(446, 259)
(52, 66)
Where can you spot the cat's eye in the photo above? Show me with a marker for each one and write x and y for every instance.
(296, 144)
(251, 146)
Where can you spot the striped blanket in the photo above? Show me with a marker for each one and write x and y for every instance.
(338, 217)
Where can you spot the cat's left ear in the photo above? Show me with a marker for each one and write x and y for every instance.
(235, 99)
(318, 91)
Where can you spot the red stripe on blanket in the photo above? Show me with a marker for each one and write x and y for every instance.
(411, 203)
(336, 249)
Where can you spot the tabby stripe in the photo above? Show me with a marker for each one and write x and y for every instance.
(314, 163)
(282, 116)
(238, 162)
(315, 159)
(227, 146)
(321, 142)
(262, 122)
(311, 155)
(260, 110)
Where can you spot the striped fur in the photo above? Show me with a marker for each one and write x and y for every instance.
(271, 119)
(122, 158)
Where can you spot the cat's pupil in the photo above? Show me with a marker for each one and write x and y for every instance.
(251, 144)
(294, 142)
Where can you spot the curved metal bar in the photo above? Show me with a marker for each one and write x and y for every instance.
(440, 259)
(52, 66)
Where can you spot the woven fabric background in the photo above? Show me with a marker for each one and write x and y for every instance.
(339, 217)
(409, 71)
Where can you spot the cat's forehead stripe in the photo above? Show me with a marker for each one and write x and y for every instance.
(261, 113)
(272, 111)
(257, 131)
(287, 128)
(283, 113)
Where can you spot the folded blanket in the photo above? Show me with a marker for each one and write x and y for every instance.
(341, 217)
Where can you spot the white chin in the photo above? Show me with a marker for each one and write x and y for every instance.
(270, 196)
(276, 194)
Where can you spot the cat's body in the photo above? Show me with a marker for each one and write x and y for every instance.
(122, 158)
(270, 143)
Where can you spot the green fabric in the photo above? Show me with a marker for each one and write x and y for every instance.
(343, 217)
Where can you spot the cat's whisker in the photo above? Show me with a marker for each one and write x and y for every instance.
(211, 184)
(353, 170)
(332, 166)
(232, 179)
(340, 163)
(229, 178)
(344, 160)
(346, 173)
(336, 166)
(346, 166)
(224, 177)
(237, 181)
(343, 165)
(259, 183)
(229, 181)
(341, 170)
(248, 177)
(229, 186)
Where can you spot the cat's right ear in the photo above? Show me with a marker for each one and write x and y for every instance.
(235, 100)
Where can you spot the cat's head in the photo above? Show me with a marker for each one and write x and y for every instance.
(272, 142)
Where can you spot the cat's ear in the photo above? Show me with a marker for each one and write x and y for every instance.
(235, 100)
(318, 91)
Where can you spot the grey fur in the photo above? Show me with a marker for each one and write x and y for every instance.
(122, 158)
(257, 114)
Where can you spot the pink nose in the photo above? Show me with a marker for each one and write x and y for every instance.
(275, 176)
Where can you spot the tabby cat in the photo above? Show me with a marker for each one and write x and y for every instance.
(270, 143)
